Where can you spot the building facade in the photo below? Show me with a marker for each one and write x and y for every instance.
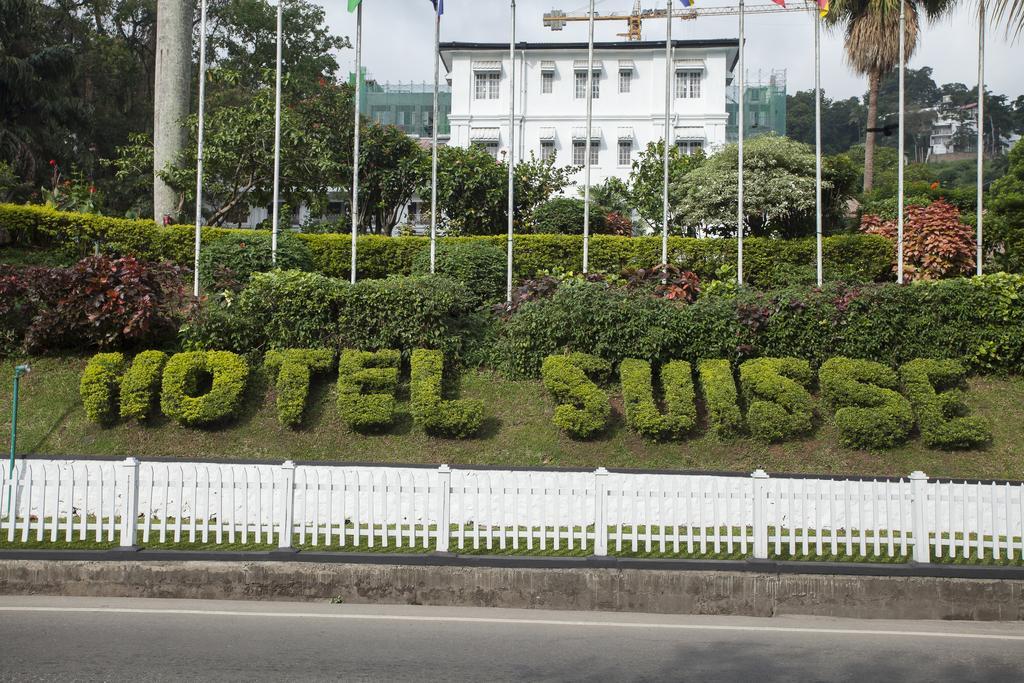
(550, 99)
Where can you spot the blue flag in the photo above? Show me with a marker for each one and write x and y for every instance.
(438, 6)
(688, 3)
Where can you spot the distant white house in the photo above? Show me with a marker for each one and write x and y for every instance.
(946, 127)
(550, 99)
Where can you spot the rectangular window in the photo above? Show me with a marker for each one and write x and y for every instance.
(547, 82)
(625, 152)
(688, 147)
(625, 81)
(579, 153)
(547, 150)
(486, 86)
(581, 86)
(688, 84)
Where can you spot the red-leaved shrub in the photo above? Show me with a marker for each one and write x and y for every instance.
(935, 243)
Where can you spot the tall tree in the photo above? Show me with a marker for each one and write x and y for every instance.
(872, 47)
(171, 97)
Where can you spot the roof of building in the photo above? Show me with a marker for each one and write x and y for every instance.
(620, 45)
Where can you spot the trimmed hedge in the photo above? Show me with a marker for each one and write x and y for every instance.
(767, 262)
(183, 377)
(934, 390)
(98, 386)
(458, 418)
(294, 369)
(480, 266)
(366, 388)
(977, 321)
(642, 413)
(140, 385)
(292, 309)
(720, 397)
(583, 408)
(869, 413)
(779, 406)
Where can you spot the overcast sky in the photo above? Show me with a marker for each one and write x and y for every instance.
(398, 40)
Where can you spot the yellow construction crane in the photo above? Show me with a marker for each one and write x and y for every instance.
(557, 19)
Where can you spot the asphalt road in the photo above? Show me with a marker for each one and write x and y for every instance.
(44, 638)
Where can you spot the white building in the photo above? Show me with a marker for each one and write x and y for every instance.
(550, 98)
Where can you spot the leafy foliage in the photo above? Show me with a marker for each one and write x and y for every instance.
(779, 406)
(457, 418)
(564, 215)
(721, 398)
(935, 243)
(480, 266)
(779, 189)
(647, 181)
(203, 388)
(98, 387)
(366, 388)
(667, 281)
(100, 302)
(1006, 205)
(140, 385)
(934, 388)
(642, 413)
(228, 263)
(869, 413)
(583, 408)
(294, 369)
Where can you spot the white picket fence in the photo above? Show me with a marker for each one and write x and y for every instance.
(337, 507)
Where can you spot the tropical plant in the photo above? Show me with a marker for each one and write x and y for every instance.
(935, 243)
(872, 46)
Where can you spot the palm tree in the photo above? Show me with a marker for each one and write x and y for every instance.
(872, 47)
(1010, 11)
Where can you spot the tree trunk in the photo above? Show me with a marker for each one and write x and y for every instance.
(869, 141)
(171, 95)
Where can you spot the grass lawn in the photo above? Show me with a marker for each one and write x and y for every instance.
(518, 432)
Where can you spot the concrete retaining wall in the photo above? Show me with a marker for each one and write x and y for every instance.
(585, 588)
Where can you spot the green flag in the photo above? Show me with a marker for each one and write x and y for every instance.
(352, 4)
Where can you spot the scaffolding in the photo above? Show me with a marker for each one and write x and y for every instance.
(409, 106)
(764, 105)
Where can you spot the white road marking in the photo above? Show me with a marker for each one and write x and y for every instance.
(524, 622)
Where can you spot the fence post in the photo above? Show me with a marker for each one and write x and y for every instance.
(760, 478)
(284, 531)
(918, 499)
(444, 524)
(600, 512)
(130, 502)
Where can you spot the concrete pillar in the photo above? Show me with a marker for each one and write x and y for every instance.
(171, 95)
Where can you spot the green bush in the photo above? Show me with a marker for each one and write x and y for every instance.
(869, 413)
(934, 388)
(720, 397)
(480, 266)
(140, 385)
(564, 215)
(229, 261)
(583, 408)
(459, 419)
(974, 320)
(779, 406)
(98, 387)
(202, 388)
(366, 388)
(294, 369)
(642, 413)
(292, 309)
(768, 262)
(406, 313)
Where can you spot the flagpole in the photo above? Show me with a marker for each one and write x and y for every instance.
(899, 160)
(277, 141)
(511, 146)
(355, 138)
(586, 160)
(739, 195)
(199, 143)
(981, 127)
(817, 144)
(433, 146)
(668, 132)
